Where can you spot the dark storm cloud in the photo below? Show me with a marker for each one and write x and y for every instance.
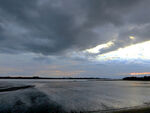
(55, 27)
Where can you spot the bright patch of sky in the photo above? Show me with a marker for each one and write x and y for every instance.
(99, 47)
(138, 51)
(132, 37)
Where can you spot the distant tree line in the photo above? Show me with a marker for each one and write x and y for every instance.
(37, 77)
(145, 78)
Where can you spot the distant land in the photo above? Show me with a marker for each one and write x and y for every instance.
(145, 78)
(133, 78)
(37, 77)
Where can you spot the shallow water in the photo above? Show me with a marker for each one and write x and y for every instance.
(75, 95)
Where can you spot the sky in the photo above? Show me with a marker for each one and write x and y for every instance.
(75, 38)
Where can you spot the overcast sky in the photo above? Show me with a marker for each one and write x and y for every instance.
(74, 38)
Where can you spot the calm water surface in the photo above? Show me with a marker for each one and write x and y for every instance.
(81, 95)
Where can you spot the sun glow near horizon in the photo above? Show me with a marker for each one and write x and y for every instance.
(141, 73)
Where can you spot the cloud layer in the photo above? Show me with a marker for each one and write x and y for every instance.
(53, 27)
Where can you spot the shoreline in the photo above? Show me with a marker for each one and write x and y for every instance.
(135, 110)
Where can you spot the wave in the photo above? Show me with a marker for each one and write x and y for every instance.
(30, 100)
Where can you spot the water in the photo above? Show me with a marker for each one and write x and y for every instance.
(76, 95)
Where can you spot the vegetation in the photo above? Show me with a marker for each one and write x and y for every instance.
(37, 77)
(145, 78)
